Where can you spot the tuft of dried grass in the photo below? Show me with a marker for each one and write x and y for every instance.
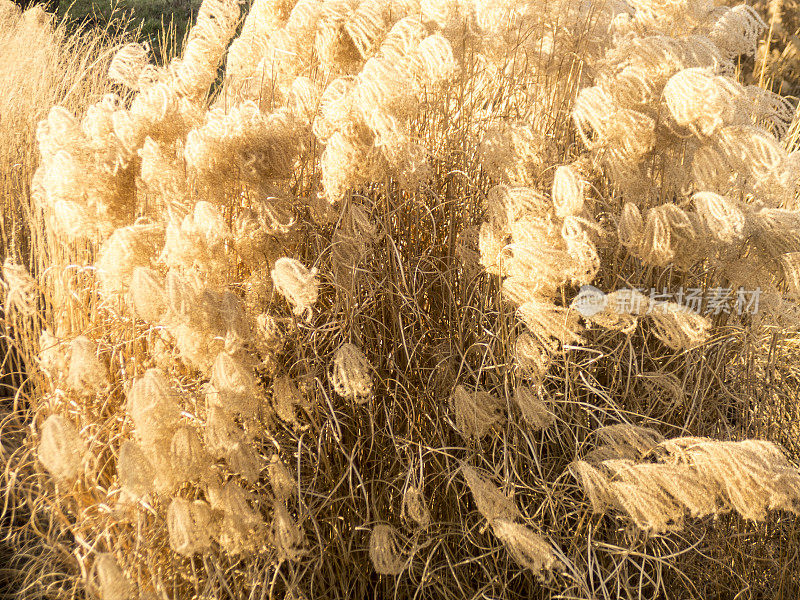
(364, 207)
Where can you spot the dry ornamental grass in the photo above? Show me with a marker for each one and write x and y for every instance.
(303, 311)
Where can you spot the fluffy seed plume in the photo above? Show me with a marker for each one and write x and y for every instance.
(285, 398)
(127, 248)
(87, 373)
(242, 529)
(476, 412)
(61, 448)
(533, 357)
(631, 227)
(679, 328)
(628, 441)
(147, 295)
(547, 322)
(568, 191)
(529, 549)
(721, 217)
(384, 550)
(154, 409)
(135, 472)
(297, 284)
(281, 479)
(694, 476)
(234, 382)
(534, 409)
(351, 375)
(189, 459)
(129, 66)
(702, 101)
(21, 289)
(491, 501)
(290, 540)
(53, 355)
(415, 507)
(110, 579)
(189, 526)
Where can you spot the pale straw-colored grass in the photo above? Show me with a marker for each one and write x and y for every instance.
(300, 311)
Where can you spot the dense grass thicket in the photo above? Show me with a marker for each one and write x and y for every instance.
(402, 299)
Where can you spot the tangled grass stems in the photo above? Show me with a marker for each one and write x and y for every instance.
(381, 207)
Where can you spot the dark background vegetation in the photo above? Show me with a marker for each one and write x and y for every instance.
(162, 23)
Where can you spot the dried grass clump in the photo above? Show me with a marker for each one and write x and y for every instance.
(553, 215)
(695, 475)
(778, 54)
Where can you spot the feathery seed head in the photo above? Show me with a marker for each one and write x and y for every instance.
(135, 472)
(234, 382)
(129, 65)
(146, 292)
(384, 550)
(61, 448)
(281, 479)
(533, 407)
(285, 397)
(532, 356)
(297, 284)
(289, 539)
(189, 526)
(492, 503)
(21, 289)
(153, 406)
(415, 507)
(189, 459)
(529, 549)
(721, 217)
(475, 413)
(110, 579)
(88, 375)
(568, 191)
(351, 375)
